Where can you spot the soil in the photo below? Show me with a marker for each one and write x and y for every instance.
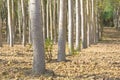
(98, 62)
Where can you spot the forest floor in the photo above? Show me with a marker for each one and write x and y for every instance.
(98, 62)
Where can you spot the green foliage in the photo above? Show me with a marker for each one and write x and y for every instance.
(75, 52)
(48, 49)
(107, 10)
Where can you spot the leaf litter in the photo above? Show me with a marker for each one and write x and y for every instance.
(98, 62)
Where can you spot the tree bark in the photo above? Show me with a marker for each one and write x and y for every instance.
(70, 27)
(44, 18)
(83, 25)
(0, 33)
(78, 32)
(48, 20)
(51, 20)
(55, 22)
(19, 20)
(88, 22)
(93, 24)
(23, 21)
(9, 24)
(62, 31)
(13, 21)
(37, 37)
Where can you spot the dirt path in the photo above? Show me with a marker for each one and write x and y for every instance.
(98, 62)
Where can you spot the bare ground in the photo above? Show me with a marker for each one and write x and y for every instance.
(98, 62)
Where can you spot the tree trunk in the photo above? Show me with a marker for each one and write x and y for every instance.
(44, 18)
(70, 27)
(96, 21)
(85, 44)
(13, 21)
(78, 32)
(9, 24)
(0, 33)
(83, 25)
(119, 18)
(51, 20)
(47, 20)
(88, 22)
(93, 24)
(19, 20)
(62, 31)
(55, 22)
(37, 37)
(23, 21)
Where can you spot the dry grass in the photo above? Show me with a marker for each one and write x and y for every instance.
(98, 62)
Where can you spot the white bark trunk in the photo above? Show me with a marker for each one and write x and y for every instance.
(9, 24)
(93, 24)
(78, 34)
(51, 20)
(70, 27)
(47, 20)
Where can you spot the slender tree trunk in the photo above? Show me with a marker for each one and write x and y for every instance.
(29, 25)
(19, 20)
(99, 26)
(85, 44)
(13, 21)
(44, 18)
(57, 15)
(58, 11)
(93, 23)
(30, 36)
(78, 33)
(37, 37)
(115, 17)
(47, 20)
(70, 27)
(82, 22)
(119, 18)
(96, 23)
(55, 22)
(24, 26)
(9, 24)
(83, 25)
(62, 31)
(0, 33)
(88, 22)
(51, 20)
